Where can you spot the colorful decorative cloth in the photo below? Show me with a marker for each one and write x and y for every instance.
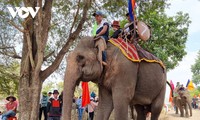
(130, 51)
(127, 49)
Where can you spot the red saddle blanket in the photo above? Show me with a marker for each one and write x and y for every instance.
(130, 51)
(127, 49)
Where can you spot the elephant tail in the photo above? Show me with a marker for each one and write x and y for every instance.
(170, 87)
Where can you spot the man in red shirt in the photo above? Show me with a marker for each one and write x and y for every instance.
(11, 108)
(54, 107)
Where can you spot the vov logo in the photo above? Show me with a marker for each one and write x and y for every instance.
(23, 12)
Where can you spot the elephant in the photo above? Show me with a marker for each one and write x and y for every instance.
(122, 83)
(183, 102)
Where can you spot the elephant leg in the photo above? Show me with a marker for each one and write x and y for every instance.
(105, 105)
(121, 104)
(157, 104)
(140, 112)
(190, 108)
(176, 109)
(186, 111)
(181, 111)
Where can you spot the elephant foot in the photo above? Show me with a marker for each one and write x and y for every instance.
(187, 115)
(181, 115)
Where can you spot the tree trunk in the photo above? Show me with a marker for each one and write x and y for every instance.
(29, 99)
(34, 43)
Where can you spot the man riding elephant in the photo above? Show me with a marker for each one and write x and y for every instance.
(102, 33)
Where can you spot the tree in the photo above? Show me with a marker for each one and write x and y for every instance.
(196, 70)
(9, 76)
(49, 36)
(169, 34)
(35, 36)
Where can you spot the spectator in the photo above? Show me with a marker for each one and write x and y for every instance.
(11, 108)
(54, 107)
(79, 107)
(194, 102)
(43, 105)
(50, 94)
(93, 95)
(91, 108)
(0, 115)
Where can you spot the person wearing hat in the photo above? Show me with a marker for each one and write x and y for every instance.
(91, 108)
(129, 27)
(117, 30)
(11, 108)
(102, 32)
(43, 105)
(54, 107)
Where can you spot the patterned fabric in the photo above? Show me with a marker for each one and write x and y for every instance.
(130, 51)
(127, 49)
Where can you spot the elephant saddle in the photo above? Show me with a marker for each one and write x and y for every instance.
(129, 50)
(134, 52)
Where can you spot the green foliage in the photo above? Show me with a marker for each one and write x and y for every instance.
(12, 2)
(169, 34)
(196, 70)
(195, 92)
(9, 79)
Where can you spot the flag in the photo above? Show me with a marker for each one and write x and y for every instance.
(187, 82)
(190, 85)
(131, 7)
(170, 96)
(172, 84)
(171, 91)
(133, 4)
(85, 94)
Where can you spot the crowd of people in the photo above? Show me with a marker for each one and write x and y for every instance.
(51, 106)
(90, 108)
(196, 102)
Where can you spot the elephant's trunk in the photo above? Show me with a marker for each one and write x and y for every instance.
(71, 77)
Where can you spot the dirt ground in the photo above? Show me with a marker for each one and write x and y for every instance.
(170, 115)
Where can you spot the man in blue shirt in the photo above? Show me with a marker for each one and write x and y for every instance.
(102, 33)
(79, 107)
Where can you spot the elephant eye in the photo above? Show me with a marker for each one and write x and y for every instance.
(79, 58)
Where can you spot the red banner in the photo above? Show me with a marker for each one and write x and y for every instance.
(85, 94)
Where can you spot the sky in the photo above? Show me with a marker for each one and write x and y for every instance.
(183, 71)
